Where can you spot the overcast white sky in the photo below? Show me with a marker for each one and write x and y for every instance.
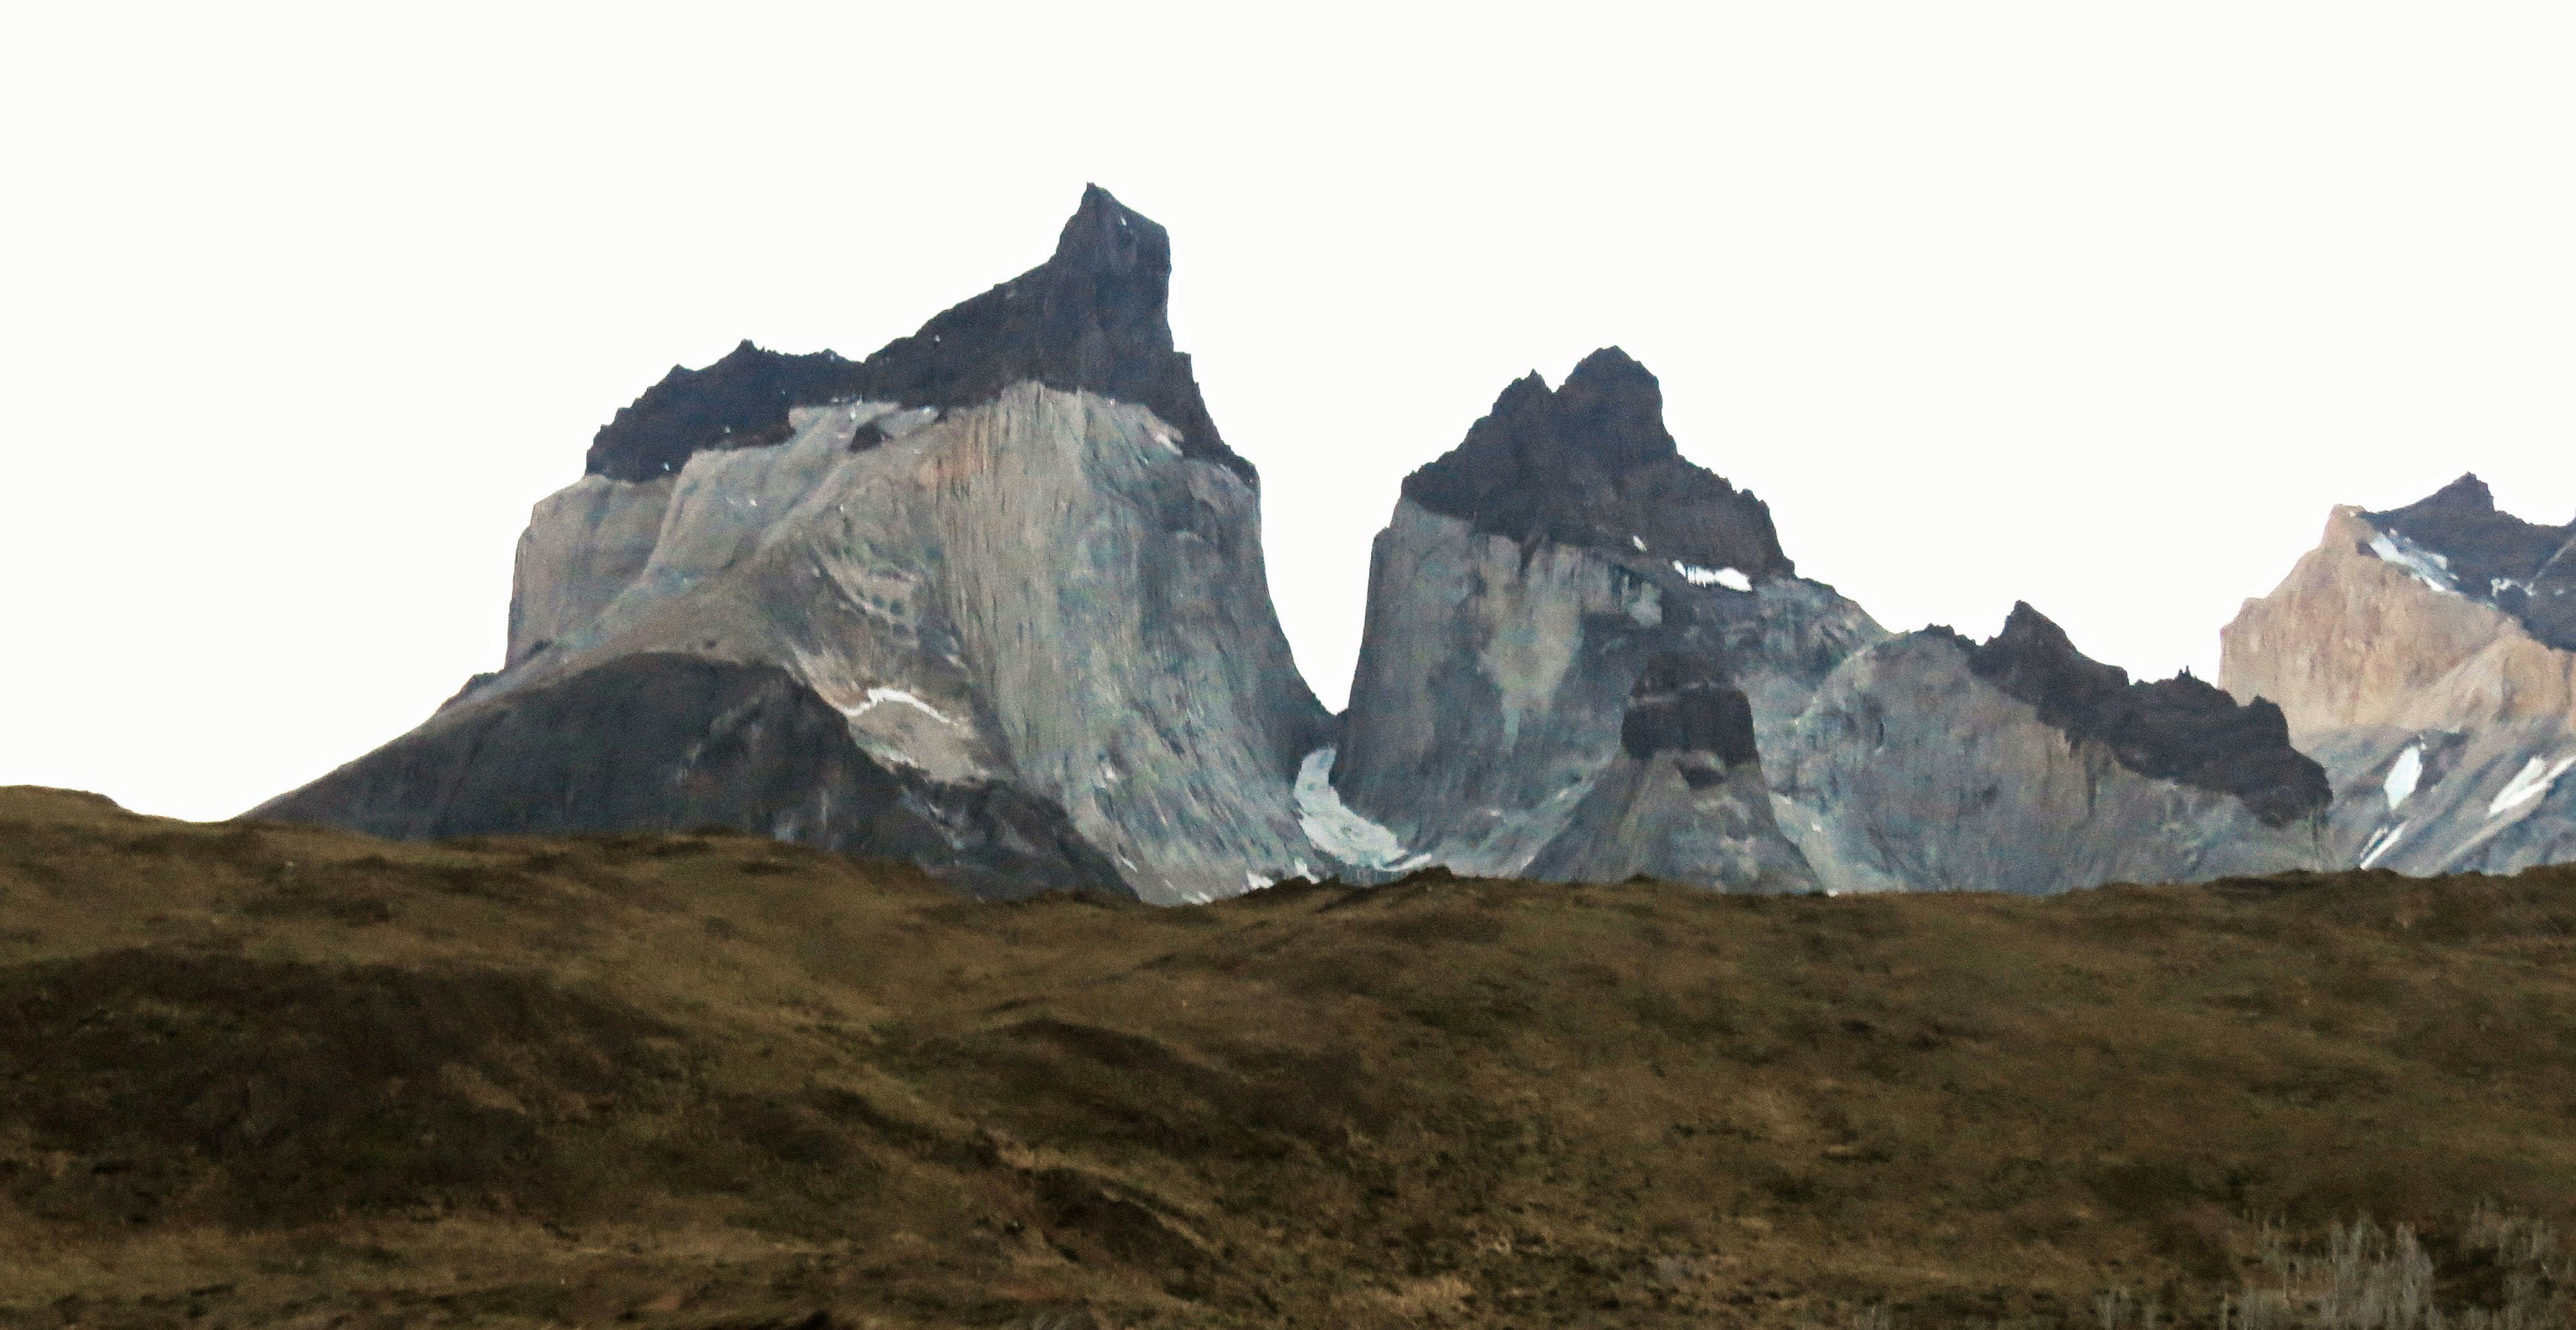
(2098, 306)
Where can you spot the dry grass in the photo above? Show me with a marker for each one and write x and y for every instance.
(256, 1075)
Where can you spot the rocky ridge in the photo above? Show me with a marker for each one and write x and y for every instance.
(1928, 762)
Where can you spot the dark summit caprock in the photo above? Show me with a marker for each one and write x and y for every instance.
(1592, 464)
(1091, 318)
(2180, 729)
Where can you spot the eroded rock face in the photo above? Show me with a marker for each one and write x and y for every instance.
(1530, 579)
(2417, 653)
(1929, 763)
(1036, 609)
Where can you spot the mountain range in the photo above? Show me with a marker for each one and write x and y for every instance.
(992, 600)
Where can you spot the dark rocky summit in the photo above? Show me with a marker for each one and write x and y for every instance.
(2523, 568)
(1591, 464)
(663, 742)
(1091, 318)
(740, 401)
(2180, 729)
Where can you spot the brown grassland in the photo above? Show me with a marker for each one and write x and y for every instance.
(253, 1074)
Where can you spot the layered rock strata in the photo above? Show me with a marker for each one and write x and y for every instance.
(1929, 763)
(1528, 587)
(2427, 655)
(1008, 558)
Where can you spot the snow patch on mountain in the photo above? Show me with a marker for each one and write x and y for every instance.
(1339, 831)
(2381, 844)
(2530, 783)
(2403, 776)
(2432, 569)
(1730, 578)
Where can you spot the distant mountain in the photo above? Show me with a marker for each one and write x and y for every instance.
(991, 600)
(1546, 585)
(2427, 655)
(1554, 596)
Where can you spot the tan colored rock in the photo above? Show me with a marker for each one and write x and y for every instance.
(2350, 640)
(2445, 727)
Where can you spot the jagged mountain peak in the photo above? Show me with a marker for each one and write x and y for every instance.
(2033, 658)
(2481, 552)
(1591, 463)
(1107, 237)
(2180, 729)
(1094, 317)
(2468, 494)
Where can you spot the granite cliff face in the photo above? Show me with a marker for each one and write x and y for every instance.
(2427, 655)
(991, 600)
(1578, 646)
(1929, 763)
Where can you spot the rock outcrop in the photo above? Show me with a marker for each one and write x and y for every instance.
(991, 599)
(1683, 799)
(1929, 763)
(1558, 617)
(2427, 655)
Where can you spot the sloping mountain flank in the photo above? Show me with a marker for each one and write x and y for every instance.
(275, 1077)
(2424, 655)
(1531, 580)
(1927, 762)
(1008, 558)
(1092, 318)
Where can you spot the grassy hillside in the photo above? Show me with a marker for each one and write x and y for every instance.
(255, 1074)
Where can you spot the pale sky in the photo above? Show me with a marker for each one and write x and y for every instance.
(2096, 306)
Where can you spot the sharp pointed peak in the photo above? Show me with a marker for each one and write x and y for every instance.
(1106, 236)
